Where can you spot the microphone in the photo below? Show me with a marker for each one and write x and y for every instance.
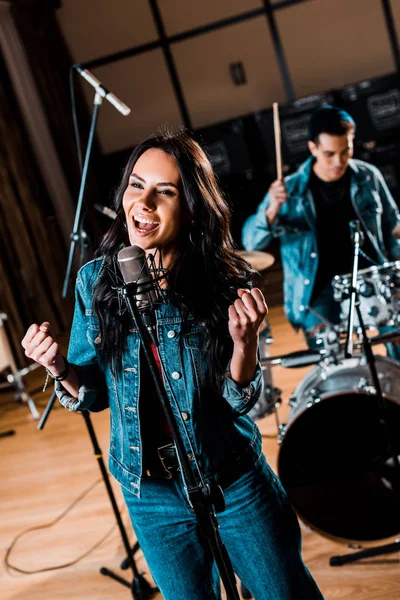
(102, 91)
(134, 269)
(105, 210)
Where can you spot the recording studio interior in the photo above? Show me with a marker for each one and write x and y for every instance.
(200, 299)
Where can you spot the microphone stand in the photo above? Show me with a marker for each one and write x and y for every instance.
(141, 589)
(357, 238)
(203, 497)
(77, 232)
(77, 235)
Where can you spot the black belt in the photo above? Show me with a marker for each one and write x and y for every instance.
(168, 465)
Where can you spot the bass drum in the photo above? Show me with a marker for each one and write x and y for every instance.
(334, 460)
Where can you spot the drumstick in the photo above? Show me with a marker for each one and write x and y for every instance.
(277, 134)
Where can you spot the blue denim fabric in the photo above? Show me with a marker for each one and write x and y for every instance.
(259, 529)
(296, 227)
(225, 440)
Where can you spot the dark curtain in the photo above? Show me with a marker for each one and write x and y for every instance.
(32, 254)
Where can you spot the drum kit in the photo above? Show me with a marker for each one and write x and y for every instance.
(340, 473)
(379, 292)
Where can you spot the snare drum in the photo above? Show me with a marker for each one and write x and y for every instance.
(379, 293)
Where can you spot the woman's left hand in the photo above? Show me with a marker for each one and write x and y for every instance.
(245, 317)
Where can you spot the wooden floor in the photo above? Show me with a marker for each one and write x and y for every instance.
(43, 473)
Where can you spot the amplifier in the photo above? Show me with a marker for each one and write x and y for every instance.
(235, 149)
(227, 145)
(387, 160)
(375, 106)
(294, 119)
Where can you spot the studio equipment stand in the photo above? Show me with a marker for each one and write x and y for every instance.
(140, 588)
(357, 239)
(14, 376)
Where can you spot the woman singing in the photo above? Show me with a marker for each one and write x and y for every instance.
(169, 204)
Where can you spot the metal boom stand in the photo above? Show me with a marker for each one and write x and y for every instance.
(140, 588)
(356, 235)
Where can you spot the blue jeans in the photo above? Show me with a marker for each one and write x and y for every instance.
(259, 529)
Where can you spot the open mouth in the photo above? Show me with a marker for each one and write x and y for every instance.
(145, 226)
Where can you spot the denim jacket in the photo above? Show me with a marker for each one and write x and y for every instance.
(224, 439)
(296, 227)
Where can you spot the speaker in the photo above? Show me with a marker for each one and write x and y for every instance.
(229, 147)
(374, 104)
(294, 120)
(387, 160)
(234, 149)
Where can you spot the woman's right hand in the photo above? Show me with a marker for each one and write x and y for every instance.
(40, 346)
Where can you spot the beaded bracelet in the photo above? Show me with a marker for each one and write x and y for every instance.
(60, 377)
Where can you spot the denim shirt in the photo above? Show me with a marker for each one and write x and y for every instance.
(225, 440)
(296, 227)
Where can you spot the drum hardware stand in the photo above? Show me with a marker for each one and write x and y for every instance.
(333, 342)
(357, 238)
(293, 360)
(140, 588)
(276, 405)
(338, 561)
(279, 426)
(270, 392)
(8, 433)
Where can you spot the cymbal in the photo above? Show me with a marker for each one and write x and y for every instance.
(258, 260)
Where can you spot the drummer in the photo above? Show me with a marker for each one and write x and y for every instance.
(310, 211)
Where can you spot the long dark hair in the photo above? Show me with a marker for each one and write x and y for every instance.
(206, 272)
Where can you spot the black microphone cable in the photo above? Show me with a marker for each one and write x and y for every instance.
(75, 118)
(9, 566)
